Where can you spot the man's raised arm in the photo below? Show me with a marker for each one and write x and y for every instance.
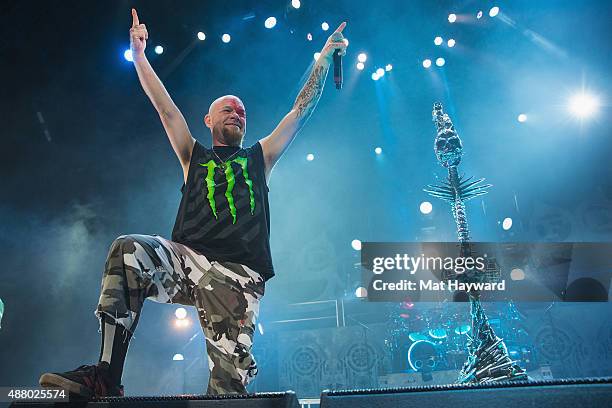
(172, 119)
(277, 142)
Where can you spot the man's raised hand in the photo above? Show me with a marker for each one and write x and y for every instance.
(335, 41)
(138, 36)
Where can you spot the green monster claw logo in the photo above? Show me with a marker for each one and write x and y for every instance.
(211, 165)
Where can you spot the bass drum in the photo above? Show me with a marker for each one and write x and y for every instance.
(423, 356)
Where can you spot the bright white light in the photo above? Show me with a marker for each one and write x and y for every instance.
(440, 62)
(494, 11)
(375, 76)
(425, 207)
(388, 67)
(452, 18)
(450, 43)
(378, 150)
(507, 223)
(380, 72)
(356, 244)
(181, 322)
(360, 66)
(296, 4)
(517, 274)
(310, 157)
(325, 26)
(438, 40)
(309, 37)
(226, 38)
(180, 313)
(316, 56)
(479, 15)
(361, 292)
(583, 105)
(201, 36)
(159, 49)
(178, 357)
(259, 325)
(270, 22)
(522, 118)
(426, 63)
(362, 57)
(127, 54)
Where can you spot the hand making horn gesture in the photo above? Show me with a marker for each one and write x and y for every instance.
(138, 36)
(334, 42)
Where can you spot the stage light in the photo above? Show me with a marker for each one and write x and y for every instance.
(178, 357)
(583, 105)
(295, 4)
(356, 244)
(507, 223)
(426, 63)
(438, 40)
(316, 56)
(360, 66)
(180, 313)
(388, 67)
(127, 54)
(440, 62)
(479, 14)
(378, 150)
(159, 49)
(517, 274)
(309, 37)
(260, 328)
(362, 57)
(494, 11)
(201, 36)
(380, 72)
(181, 322)
(375, 76)
(522, 118)
(361, 292)
(452, 18)
(310, 157)
(270, 22)
(450, 43)
(226, 38)
(325, 26)
(425, 207)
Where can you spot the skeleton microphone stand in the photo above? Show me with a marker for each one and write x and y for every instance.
(488, 359)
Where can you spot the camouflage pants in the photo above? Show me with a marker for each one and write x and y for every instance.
(226, 296)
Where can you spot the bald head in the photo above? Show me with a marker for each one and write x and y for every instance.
(226, 120)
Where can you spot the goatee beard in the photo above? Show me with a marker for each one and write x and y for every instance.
(230, 135)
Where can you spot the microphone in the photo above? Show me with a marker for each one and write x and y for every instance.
(338, 69)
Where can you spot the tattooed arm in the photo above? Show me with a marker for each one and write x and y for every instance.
(275, 144)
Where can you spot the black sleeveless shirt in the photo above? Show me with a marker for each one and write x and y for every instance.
(224, 213)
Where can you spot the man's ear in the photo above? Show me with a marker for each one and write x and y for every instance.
(208, 121)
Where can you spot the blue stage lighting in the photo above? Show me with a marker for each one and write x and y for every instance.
(378, 150)
(440, 62)
(159, 49)
(494, 11)
(426, 63)
(452, 18)
(127, 54)
(325, 26)
(360, 66)
(583, 105)
(226, 38)
(295, 4)
(438, 40)
(362, 57)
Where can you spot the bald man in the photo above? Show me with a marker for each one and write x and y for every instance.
(218, 259)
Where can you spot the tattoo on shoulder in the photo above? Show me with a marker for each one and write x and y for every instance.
(310, 94)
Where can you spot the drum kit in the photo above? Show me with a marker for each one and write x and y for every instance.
(436, 338)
